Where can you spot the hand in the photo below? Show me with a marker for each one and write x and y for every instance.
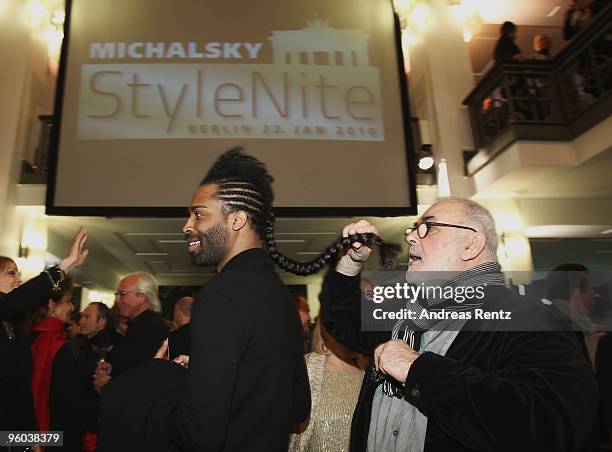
(78, 253)
(162, 353)
(394, 358)
(351, 263)
(182, 360)
(104, 367)
(102, 375)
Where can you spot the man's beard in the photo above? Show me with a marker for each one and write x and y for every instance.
(212, 246)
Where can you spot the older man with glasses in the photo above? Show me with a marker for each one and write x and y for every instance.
(450, 385)
(137, 299)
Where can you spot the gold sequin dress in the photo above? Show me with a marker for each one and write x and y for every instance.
(332, 424)
(334, 396)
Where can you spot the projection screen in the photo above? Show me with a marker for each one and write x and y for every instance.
(150, 92)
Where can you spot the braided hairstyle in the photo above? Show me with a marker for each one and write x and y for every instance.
(244, 184)
(387, 251)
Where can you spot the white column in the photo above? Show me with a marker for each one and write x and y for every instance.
(440, 78)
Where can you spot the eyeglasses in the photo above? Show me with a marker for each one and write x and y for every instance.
(122, 293)
(422, 227)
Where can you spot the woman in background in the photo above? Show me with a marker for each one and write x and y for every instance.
(16, 408)
(335, 374)
(48, 336)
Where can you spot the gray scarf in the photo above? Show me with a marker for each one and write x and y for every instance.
(485, 274)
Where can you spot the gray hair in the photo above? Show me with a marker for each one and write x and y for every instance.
(147, 284)
(479, 218)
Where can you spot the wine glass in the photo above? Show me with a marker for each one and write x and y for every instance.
(102, 350)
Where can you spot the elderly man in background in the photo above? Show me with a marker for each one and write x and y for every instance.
(448, 386)
(137, 299)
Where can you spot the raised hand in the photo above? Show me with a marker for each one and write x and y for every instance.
(352, 262)
(77, 254)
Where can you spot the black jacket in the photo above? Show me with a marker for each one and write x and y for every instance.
(178, 341)
(143, 338)
(247, 378)
(502, 390)
(16, 404)
(135, 408)
(73, 401)
(246, 381)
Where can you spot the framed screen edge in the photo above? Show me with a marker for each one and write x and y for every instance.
(159, 212)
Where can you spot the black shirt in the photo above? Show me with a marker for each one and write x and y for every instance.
(247, 378)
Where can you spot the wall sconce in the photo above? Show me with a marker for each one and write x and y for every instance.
(425, 156)
(24, 251)
(425, 171)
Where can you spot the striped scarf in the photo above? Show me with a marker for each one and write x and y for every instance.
(487, 274)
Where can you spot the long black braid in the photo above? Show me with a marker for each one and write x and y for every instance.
(243, 183)
(387, 251)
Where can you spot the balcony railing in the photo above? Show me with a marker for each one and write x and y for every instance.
(555, 100)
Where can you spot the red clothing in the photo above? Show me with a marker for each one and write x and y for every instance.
(43, 351)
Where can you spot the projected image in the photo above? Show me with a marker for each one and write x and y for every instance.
(150, 96)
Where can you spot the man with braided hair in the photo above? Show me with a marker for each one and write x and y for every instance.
(246, 381)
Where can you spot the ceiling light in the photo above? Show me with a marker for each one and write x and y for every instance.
(607, 231)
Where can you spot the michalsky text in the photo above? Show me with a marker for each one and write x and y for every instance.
(167, 50)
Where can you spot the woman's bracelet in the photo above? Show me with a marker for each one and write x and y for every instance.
(56, 275)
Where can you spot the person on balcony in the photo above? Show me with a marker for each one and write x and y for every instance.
(542, 46)
(579, 14)
(506, 49)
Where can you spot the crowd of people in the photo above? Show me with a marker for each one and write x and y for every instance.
(239, 369)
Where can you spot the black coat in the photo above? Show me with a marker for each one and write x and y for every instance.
(502, 390)
(135, 408)
(246, 381)
(143, 338)
(73, 401)
(16, 403)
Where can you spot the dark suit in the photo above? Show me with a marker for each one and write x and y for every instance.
(143, 338)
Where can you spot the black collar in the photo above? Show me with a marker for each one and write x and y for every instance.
(142, 317)
(254, 259)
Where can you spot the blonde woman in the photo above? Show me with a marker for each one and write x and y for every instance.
(335, 374)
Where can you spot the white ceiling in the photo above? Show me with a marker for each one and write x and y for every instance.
(156, 245)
